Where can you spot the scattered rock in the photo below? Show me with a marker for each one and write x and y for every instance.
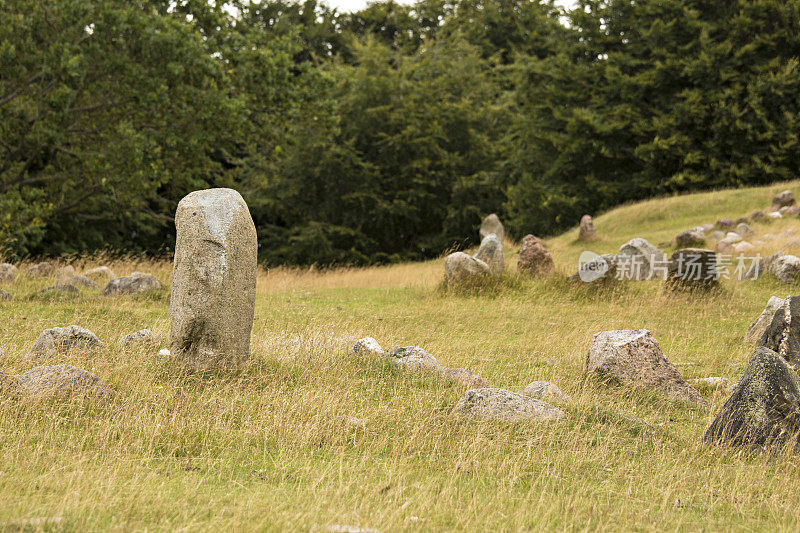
(764, 409)
(39, 270)
(586, 232)
(544, 390)
(758, 215)
(533, 258)
(491, 253)
(143, 337)
(78, 281)
(459, 266)
(8, 273)
(9, 386)
(62, 382)
(640, 260)
(732, 237)
(100, 273)
(164, 352)
(774, 215)
(5, 296)
(744, 229)
(491, 224)
(707, 227)
(784, 199)
(760, 324)
(690, 239)
(466, 377)
(725, 224)
(58, 290)
(135, 283)
(761, 266)
(414, 358)
(501, 404)
(214, 280)
(692, 268)
(718, 235)
(369, 347)
(634, 358)
(786, 268)
(743, 247)
(596, 268)
(59, 341)
(65, 272)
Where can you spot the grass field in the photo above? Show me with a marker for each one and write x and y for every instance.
(272, 448)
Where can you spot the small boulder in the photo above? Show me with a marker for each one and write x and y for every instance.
(743, 247)
(459, 267)
(714, 382)
(693, 268)
(79, 281)
(789, 211)
(466, 377)
(782, 335)
(690, 239)
(725, 224)
(369, 346)
(9, 387)
(533, 258)
(64, 382)
(501, 404)
(143, 337)
(414, 358)
(718, 235)
(786, 268)
(491, 253)
(595, 267)
(761, 266)
(634, 358)
(39, 270)
(57, 290)
(135, 283)
(774, 215)
(732, 237)
(758, 215)
(100, 273)
(744, 229)
(59, 341)
(640, 260)
(760, 324)
(491, 224)
(764, 409)
(586, 232)
(544, 390)
(65, 272)
(784, 199)
(8, 273)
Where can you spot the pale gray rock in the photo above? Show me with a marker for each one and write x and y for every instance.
(690, 239)
(79, 281)
(8, 273)
(501, 404)
(491, 253)
(64, 382)
(369, 347)
(459, 267)
(634, 358)
(786, 268)
(141, 338)
(718, 235)
(714, 382)
(732, 237)
(762, 322)
(466, 377)
(414, 358)
(136, 283)
(544, 390)
(40, 270)
(101, 273)
(491, 224)
(60, 341)
(743, 247)
(640, 260)
(58, 291)
(744, 230)
(214, 280)
(65, 272)
(758, 268)
(774, 215)
(596, 268)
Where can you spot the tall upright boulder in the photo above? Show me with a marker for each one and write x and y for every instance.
(8, 273)
(692, 268)
(782, 336)
(586, 232)
(491, 253)
(491, 224)
(757, 328)
(533, 257)
(214, 280)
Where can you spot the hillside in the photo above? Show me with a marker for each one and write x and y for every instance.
(310, 436)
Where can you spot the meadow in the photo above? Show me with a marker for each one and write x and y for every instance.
(310, 436)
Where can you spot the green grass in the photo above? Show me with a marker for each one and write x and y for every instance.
(267, 448)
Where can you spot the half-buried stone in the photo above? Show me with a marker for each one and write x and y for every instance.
(786, 268)
(64, 382)
(501, 404)
(640, 260)
(544, 390)
(492, 225)
(596, 268)
(782, 336)
(692, 268)
(491, 253)
(634, 358)
(533, 258)
(213, 281)
(137, 339)
(56, 342)
(460, 267)
(764, 409)
(136, 283)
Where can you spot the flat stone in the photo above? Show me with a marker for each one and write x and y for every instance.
(459, 267)
(491, 253)
(544, 390)
(501, 404)
(136, 283)
(63, 382)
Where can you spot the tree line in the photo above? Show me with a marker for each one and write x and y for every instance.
(385, 134)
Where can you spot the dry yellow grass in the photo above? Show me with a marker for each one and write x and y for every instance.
(272, 447)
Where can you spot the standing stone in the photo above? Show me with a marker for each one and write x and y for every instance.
(640, 260)
(784, 199)
(744, 229)
(595, 267)
(501, 404)
(491, 224)
(78, 281)
(213, 280)
(586, 232)
(459, 267)
(692, 268)
(634, 358)
(764, 409)
(8, 273)
(533, 258)
(760, 324)
(782, 335)
(136, 283)
(143, 337)
(786, 268)
(491, 253)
